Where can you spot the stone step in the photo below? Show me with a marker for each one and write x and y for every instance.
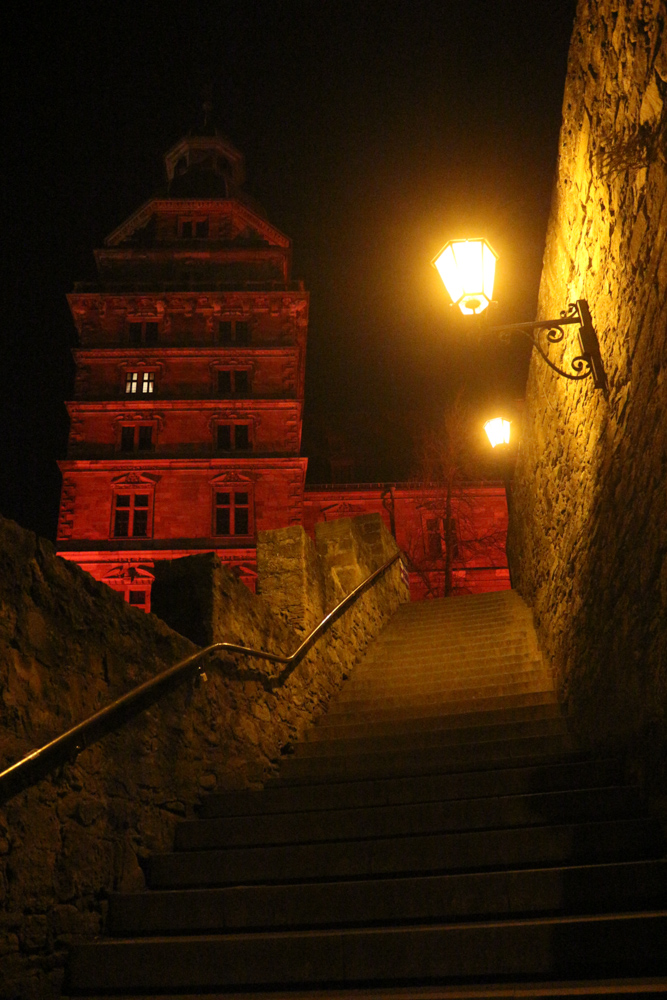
(418, 739)
(333, 728)
(486, 813)
(557, 844)
(428, 761)
(629, 885)
(531, 681)
(630, 944)
(426, 899)
(648, 987)
(413, 674)
(462, 706)
(500, 781)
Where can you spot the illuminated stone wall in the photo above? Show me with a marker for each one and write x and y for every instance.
(588, 532)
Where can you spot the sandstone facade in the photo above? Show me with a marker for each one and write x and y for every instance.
(588, 531)
(69, 645)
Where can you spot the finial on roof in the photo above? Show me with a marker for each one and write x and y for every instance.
(207, 104)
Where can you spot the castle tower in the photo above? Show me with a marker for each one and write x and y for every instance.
(186, 422)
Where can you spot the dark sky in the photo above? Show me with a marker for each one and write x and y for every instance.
(373, 132)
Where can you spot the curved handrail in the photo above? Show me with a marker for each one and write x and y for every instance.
(68, 745)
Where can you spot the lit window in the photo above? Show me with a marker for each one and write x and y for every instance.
(232, 513)
(234, 331)
(130, 515)
(233, 437)
(139, 383)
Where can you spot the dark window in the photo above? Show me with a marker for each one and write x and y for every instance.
(433, 538)
(225, 331)
(151, 332)
(186, 229)
(143, 332)
(233, 382)
(241, 514)
(127, 439)
(224, 437)
(131, 515)
(201, 228)
(224, 382)
(232, 513)
(241, 383)
(234, 331)
(121, 524)
(140, 524)
(145, 437)
(242, 437)
(137, 598)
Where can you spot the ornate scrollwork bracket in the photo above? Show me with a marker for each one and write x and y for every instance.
(587, 363)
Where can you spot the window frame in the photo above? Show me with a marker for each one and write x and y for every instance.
(136, 426)
(233, 490)
(236, 325)
(132, 492)
(234, 392)
(194, 221)
(135, 381)
(144, 340)
(233, 424)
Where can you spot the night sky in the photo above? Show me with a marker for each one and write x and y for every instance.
(372, 131)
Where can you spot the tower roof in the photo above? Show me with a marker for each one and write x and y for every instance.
(205, 164)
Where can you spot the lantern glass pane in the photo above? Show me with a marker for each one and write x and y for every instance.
(467, 268)
(448, 271)
(498, 431)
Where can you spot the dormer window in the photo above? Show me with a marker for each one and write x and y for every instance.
(193, 228)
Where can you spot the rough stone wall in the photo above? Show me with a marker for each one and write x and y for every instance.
(588, 531)
(68, 646)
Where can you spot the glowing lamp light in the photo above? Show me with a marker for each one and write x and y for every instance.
(467, 268)
(498, 431)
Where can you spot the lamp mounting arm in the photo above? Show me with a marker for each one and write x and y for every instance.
(588, 363)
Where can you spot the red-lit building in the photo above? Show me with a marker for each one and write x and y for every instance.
(185, 429)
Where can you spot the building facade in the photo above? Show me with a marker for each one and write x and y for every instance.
(185, 427)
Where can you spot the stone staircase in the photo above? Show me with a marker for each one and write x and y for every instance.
(437, 835)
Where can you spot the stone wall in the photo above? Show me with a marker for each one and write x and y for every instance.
(68, 646)
(588, 532)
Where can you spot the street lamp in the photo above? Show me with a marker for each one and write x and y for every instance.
(467, 269)
(498, 431)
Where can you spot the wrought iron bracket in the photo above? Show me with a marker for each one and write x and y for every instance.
(586, 364)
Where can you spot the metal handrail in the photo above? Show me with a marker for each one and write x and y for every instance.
(66, 747)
